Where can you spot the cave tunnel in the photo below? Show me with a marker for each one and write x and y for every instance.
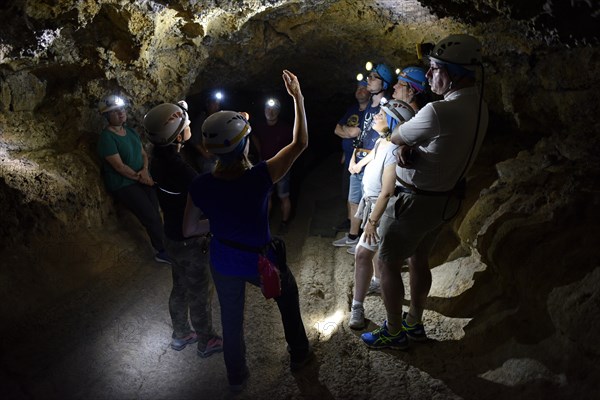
(514, 307)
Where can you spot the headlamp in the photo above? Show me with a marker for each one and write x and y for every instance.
(273, 103)
(424, 49)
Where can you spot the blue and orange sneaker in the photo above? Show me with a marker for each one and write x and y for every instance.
(414, 332)
(380, 338)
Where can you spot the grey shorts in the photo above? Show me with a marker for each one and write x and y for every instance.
(384, 222)
(415, 217)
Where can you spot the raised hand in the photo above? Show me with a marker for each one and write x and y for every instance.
(291, 84)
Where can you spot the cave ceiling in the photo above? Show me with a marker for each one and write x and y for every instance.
(155, 50)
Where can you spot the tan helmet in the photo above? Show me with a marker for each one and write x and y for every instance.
(164, 122)
(463, 50)
(110, 103)
(223, 131)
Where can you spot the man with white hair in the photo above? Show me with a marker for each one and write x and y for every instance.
(445, 137)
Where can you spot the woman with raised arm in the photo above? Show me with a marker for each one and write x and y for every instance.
(234, 198)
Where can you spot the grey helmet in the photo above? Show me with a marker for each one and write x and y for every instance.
(398, 110)
(223, 131)
(164, 122)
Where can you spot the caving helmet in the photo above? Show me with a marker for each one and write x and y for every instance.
(385, 72)
(110, 103)
(463, 50)
(398, 112)
(415, 77)
(224, 131)
(164, 122)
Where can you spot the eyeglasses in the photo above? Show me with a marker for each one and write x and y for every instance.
(373, 76)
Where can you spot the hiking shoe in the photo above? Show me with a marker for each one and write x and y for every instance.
(345, 241)
(351, 250)
(380, 338)
(162, 257)
(414, 332)
(357, 317)
(214, 345)
(180, 343)
(374, 287)
(238, 383)
(296, 365)
(342, 226)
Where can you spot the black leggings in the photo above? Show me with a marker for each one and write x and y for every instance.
(141, 200)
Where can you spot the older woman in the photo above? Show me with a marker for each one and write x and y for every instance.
(125, 171)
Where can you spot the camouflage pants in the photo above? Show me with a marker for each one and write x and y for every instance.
(192, 288)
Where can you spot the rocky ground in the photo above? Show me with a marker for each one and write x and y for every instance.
(110, 340)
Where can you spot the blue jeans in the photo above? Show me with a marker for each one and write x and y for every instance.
(231, 291)
(355, 191)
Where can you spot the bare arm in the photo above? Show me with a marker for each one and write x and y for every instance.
(395, 138)
(193, 224)
(118, 165)
(145, 177)
(346, 132)
(281, 162)
(388, 183)
(357, 167)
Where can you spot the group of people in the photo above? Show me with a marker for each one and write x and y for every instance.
(405, 158)
(208, 229)
(407, 172)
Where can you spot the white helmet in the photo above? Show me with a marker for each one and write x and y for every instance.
(398, 110)
(463, 50)
(224, 130)
(164, 122)
(111, 103)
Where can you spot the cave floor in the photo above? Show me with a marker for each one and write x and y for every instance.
(111, 339)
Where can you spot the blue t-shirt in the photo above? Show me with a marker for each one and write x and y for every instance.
(368, 135)
(238, 211)
(353, 118)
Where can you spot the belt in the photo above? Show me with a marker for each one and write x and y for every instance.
(411, 189)
(364, 150)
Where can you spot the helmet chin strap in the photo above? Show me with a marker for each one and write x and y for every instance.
(387, 135)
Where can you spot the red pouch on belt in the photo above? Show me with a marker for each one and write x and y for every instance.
(270, 283)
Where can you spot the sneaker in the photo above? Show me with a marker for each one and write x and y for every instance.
(237, 384)
(380, 338)
(374, 287)
(180, 343)
(343, 226)
(357, 317)
(162, 257)
(345, 241)
(351, 250)
(296, 365)
(414, 332)
(214, 345)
